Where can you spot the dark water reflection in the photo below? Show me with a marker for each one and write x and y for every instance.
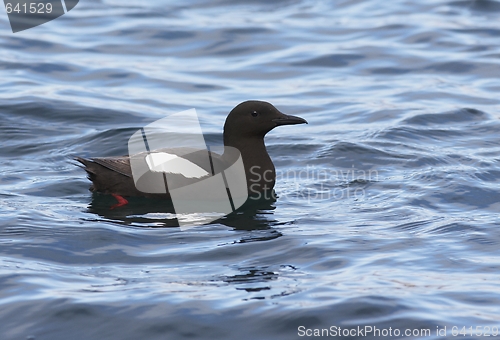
(253, 215)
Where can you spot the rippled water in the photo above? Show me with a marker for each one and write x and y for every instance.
(388, 203)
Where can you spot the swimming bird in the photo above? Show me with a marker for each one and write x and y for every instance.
(244, 129)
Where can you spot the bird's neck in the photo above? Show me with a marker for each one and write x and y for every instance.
(259, 168)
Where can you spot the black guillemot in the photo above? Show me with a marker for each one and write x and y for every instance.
(244, 129)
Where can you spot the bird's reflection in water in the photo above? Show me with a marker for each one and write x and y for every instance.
(264, 282)
(252, 279)
(255, 214)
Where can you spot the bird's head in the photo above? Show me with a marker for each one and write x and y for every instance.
(255, 118)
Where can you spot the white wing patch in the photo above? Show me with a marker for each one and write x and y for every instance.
(166, 162)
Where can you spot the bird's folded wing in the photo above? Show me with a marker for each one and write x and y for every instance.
(198, 157)
(117, 164)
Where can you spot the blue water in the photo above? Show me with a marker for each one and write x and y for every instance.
(387, 214)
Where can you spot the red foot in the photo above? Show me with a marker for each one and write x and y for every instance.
(121, 201)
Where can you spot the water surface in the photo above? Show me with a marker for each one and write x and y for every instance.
(387, 214)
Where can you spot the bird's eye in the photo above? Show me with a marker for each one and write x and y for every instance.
(255, 114)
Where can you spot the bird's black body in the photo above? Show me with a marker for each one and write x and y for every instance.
(244, 129)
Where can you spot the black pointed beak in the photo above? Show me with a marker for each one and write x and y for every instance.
(289, 120)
